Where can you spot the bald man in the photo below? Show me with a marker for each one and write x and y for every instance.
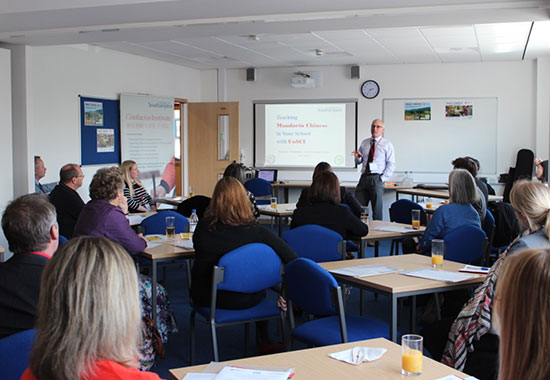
(378, 159)
(66, 200)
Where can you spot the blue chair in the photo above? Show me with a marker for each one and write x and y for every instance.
(488, 226)
(401, 212)
(317, 243)
(316, 292)
(156, 223)
(14, 354)
(247, 269)
(62, 240)
(465, 244)
(260, 188)
(350, 245)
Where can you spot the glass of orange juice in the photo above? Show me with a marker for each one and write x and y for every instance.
(273, 202)
(411, 355)
(438, 250)
(415, 219)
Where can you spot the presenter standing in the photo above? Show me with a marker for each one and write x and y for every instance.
(378, 159)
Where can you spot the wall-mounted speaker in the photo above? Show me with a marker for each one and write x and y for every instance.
(251, 75)
(354, 72)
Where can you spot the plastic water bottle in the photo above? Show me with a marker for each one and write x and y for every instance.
(405, 180)
(193, 220)
(411, 179)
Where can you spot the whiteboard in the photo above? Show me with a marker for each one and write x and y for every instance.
(456, 127)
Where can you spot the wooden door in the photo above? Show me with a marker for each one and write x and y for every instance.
(206, 140)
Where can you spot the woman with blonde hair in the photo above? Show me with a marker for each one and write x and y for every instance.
(138, 198)
(229, 223)
(472, 344)
(84, 330)
(522, 316)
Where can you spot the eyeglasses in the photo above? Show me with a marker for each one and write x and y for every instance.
(377, 126)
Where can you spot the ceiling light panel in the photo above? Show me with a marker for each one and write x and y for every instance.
(359, 44)
(502, 41)
(407, 44)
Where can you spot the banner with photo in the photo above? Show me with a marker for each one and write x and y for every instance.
(459, 110)
(147, 134)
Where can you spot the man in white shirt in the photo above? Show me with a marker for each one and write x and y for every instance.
(39, 173)
(378, 159)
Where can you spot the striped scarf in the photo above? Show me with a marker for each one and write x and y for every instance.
(474, 320)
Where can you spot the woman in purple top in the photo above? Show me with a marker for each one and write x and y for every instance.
(105, 216)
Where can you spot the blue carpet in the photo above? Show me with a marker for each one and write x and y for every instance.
(231, 338)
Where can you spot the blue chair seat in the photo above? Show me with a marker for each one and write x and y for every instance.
(326, 331)
(264, 309)
(314, 242)
(14, 354)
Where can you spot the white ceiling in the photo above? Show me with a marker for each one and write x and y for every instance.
(206, 34)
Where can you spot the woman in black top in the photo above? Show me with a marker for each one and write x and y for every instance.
(345, 196)
(228, 224)
(325, 209)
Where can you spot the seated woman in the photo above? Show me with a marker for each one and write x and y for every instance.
(228, 224)
(522, 316)
(237, 171)
(345, 196)
(105, 216)
(472, 345)
(137, 197)
(324, 209)
(89, 320)
(481, 187)
(459, 212)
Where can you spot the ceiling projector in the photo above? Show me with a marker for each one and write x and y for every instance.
(302, 80)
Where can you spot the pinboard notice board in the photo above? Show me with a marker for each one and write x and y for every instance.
(99, 131)
(429, 133)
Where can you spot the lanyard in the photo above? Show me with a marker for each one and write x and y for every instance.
(375, 147)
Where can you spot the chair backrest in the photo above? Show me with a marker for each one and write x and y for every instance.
(465, 244)
(62, 240)
(156, 223)
(258, 186)
(249, 269)
(310, 287)
(488, 226)
(315, 242)
(198, 202)
(14, 354)
(400, 212)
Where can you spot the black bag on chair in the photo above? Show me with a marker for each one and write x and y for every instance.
(522, 170)
(198, 202)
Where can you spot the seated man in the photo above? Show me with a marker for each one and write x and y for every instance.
(39, 173)
(66, 200)
(29, 223)
(541, 170)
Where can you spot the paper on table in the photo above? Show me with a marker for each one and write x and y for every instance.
(358, 355)
(474, 269)
(264, 207)
(153, 244)
(199, 376)
(238, 373)
(393, 229)
(364, 270)
(135, 219)
(455, 377)
(439, 275)
(187, 244)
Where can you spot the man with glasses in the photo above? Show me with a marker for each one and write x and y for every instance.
(66, 200)
(378, 159)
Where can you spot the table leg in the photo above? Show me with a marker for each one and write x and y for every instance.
(376, 244)
(280, 221)
(154, 290)
(393, 323)
(286, 193)
(413, 314)
(361, 307)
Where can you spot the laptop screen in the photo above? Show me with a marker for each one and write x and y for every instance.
(268, 175)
